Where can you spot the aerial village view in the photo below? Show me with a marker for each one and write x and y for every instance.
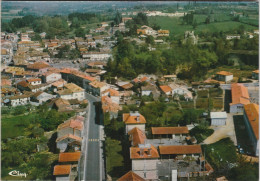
(130, 91)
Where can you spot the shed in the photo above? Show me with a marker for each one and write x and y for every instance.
(218, 118)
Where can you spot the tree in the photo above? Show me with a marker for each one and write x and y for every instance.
(118, 18)
(80, 32)
(149, 40)
(194, 24)
(207, 20)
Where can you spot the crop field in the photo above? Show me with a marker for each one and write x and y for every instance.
(218, 103)
(202, 103)
(174, 24)
(203, 94)
(187, 104)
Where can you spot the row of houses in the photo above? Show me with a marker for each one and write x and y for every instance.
(147, 156)
(69, 140)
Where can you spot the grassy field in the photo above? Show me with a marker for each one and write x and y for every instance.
(14, 126)
(174, 24)
(218, 103)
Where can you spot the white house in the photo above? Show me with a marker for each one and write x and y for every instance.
(72, 91)
(113, 94)
(230, 37)
(97, 55)
(96, 87)
(34, 81)
(224, 76)
(134, 119)
(63, 141)
(144, 161)
(218, 118)
(42, 97)
(18, 100)
(51, 77)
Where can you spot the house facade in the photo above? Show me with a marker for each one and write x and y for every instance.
(132, 120)
(240, 97)
(218, 118)
(224, 76)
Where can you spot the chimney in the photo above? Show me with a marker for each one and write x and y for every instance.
(138, 118)
(149, 151)
(141, 152)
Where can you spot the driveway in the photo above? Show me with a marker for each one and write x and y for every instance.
(221, 132)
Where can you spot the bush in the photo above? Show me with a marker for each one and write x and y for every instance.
(19, 110)
(201, 133)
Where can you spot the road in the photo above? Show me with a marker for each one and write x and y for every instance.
(93, 162)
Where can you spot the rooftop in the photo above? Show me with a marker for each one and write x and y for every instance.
(69, 136)
(75, 124)
(224, 73)
(252, 112)
(180, 149)
(239, 94)
(131, 176)
(143, 153)
(73, 87)
(137, 136)
(218, 115)
(133, 119)
(170, 130)
(69, 157)
(62, 169)
(165, 88)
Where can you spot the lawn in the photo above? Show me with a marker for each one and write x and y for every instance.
(201, 133)
(202, 103)
(221, 152)
(13, 126)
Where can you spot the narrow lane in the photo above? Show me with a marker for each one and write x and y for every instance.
(93, 162)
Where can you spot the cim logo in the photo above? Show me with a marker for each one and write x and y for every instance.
(17, 174)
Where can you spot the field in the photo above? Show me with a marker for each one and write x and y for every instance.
(14, 126)
(202, 103)
(203, 94)
(174, 24)
(187, 104)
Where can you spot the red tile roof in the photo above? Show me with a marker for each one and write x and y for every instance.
(135, 153)
(6, 82)
(224, 73)
(256, 71)
(69, 136)
(137, 136)
(62, 169)
(180, 149)
(23, 83)
(143, 79)
(69, 157)
(38, 65)
(131, 176)
(112, 92)
(128, 119)
(252, 112)
(127, 86)
(75, 124)
(165, 88)
(239, 94)
(34, 80)
(170, 130)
